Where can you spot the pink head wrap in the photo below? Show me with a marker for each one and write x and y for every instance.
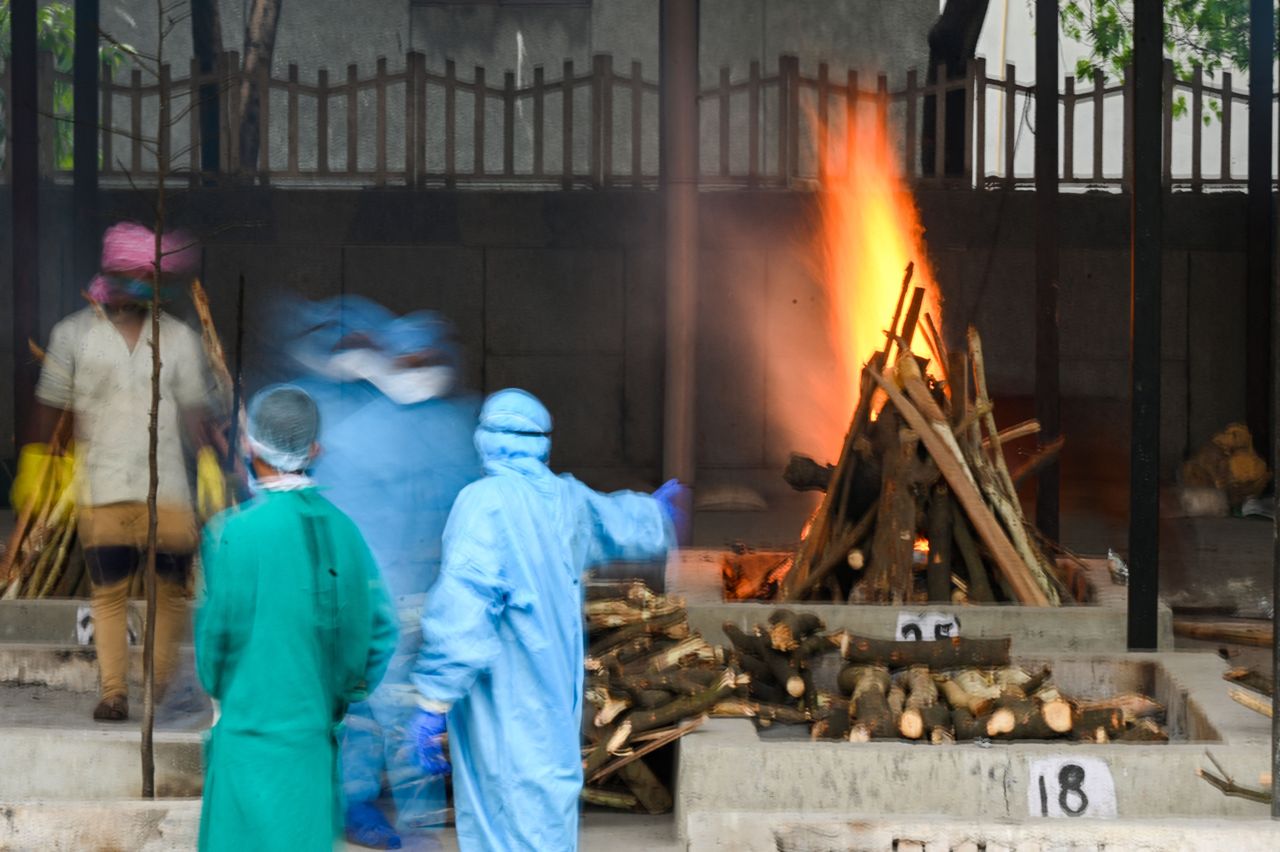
(129, 257)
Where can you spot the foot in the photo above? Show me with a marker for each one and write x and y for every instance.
(114, 708)
(366, 826)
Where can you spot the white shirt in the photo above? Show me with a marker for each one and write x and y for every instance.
(89, 370)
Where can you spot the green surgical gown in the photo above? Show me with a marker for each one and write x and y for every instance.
(294, 626)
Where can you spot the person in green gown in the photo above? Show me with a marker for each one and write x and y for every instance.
(294, 626)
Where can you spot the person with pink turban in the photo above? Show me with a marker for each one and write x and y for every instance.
(96, 379)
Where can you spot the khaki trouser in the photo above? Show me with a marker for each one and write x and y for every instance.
(125, 525)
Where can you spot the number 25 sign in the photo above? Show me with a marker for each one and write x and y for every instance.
(1071, 787)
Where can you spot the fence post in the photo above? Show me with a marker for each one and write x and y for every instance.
(6, 136)
(235, 78)
(410, 120)
(193, 123)
(969, 85)
(793, 117)
(164, 139)
(753, 123)
(824, 119)
(480, 89)
(135, 123)
(1197, 128)
(539, 118)
(606, 119)
(380, 94)
(1099, 103)
(566, 125)
(108, 127)
(450, 123)
(264, 123)
(509, 123)
(912, 143)
(353, 119)
(48, 125)
(940, 122)
(1010, 123)
(882, 103)
(980, 110)
(1068, 128)
(637, 123)
(1128, 129)
(597, 120)
(783, 111)
(1166, 162)
(322, 122)
(723, 99)
(850, 121)
(420, 115)
(291, 165)
(1227, 96)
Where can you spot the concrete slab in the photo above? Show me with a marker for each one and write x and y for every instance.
(798, 832)
(1101, 627)
(992, 781)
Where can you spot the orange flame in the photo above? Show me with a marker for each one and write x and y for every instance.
(870, 231)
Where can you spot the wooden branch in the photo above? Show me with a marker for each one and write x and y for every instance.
(653, 744)
(951, 653)
(787, 627)
(1042, 457)
(1258, 633)
(610, 799)
(654, 796)
(941, 445)
(938, 574)
(1251, 679)
(804, 474)
(979, 583)
(1013, 433)
(1250, 700)
(837, 554)
(889, 576)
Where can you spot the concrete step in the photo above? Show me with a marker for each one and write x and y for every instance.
(53, 620)
(71, 667)
(800, 832)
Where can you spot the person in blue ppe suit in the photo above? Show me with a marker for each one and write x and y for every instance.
(398, 449)
(502, 631)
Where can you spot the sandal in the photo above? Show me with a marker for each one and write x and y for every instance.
(112, 709)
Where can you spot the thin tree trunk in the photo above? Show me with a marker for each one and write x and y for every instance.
(259, 46)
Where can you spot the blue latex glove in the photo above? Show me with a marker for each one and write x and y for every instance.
(674, 498)
(426, 734)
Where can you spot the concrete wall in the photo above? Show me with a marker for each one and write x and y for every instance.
(563, 293)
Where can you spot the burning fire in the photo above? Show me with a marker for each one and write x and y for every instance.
(920, 551)
(870, 231)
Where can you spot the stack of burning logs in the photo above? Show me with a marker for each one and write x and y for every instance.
(921, 505)
(649, 681)
(936, 691)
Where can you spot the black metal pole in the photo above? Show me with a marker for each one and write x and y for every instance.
(25, 171)
(679, 156)
(1144, 376)
(1046, 154)
(1258, 366)
(85, 142)
(206, 41)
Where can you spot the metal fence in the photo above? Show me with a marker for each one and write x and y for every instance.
(598, 126)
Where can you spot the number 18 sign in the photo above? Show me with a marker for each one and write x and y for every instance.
(1071, 787)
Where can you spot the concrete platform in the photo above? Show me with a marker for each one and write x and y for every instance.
(892, 781)
(1100, 627)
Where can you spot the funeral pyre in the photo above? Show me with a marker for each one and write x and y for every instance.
(922, 504)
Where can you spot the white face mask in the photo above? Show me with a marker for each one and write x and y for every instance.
(403, 386)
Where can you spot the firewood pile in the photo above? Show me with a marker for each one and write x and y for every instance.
(921, 504)
(649, 681)
(937, 691)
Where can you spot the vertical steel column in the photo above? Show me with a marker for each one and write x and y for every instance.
(1258, 367)
(679, 47)
(1046, 154)
(85, 143)
(1144, 376)
(25, 172)
(1273, 352)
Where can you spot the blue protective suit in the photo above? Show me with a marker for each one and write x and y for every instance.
(502, 633)
(395, 470)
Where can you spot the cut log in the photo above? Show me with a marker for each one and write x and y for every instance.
(1144, 731)
(1131, 705)
(788, 627)
(953, 653)
(961, 699)
(889, 576)
(1250, 700)
(804, 474)
(979, 581)
(839, 554)
(616, 799)
(938, 574)
(918, 722)
(1020, 719)
(1058, 715)
(673, 625)
(1240, 631)
(653, 795)
(682, 707)
(1037, 680)
(967, 726)
(872, 718)
(1251, 679)
(942, 447)
(1105, 720)
(896, 698)
(610, 742)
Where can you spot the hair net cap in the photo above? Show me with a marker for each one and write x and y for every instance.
(515, 411)
(283, 424)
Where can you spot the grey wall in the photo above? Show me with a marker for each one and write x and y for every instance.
(562, 292)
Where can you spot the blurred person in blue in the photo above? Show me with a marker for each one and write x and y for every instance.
(502, 631)
(294, 625)
(397, 450)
